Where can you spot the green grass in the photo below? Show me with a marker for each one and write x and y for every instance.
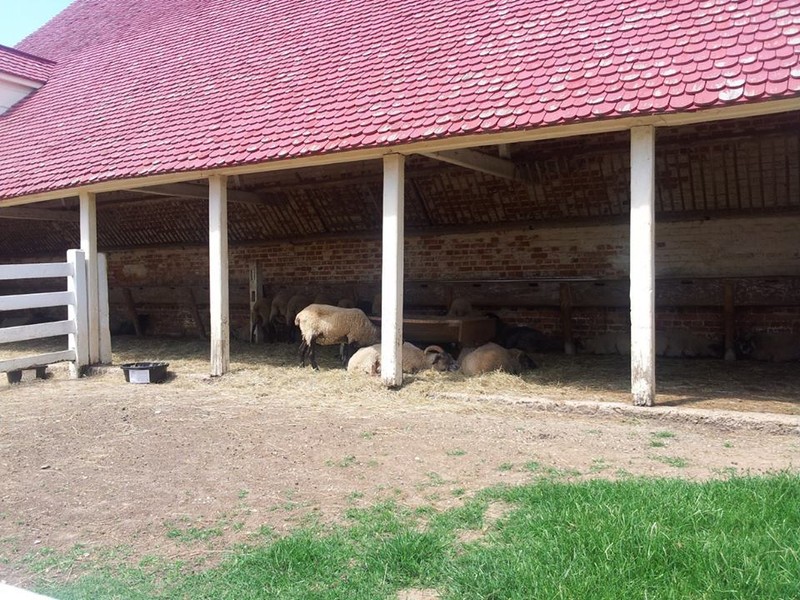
(672, 461)
(638, 538)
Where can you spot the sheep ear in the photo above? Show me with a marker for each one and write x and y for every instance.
(434, 349)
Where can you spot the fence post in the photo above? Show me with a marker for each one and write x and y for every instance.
(105, 329)
(77, 311)
(256, 294)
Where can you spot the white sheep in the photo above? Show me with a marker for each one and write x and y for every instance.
(460, 307)
(493, 357)
(327, 325)
(681, 343)
(368, 360)
(259, 317)
(612, 342)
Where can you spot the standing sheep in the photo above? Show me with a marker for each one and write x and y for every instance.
(491, 357)
(327, 325)
(293, 306)
(277, 314)
(368, 360)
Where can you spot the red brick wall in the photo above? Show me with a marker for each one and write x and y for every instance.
(731, 247)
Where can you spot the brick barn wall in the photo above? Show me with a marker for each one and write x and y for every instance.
(720, 248)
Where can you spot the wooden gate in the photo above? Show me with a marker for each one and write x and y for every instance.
(76, 325)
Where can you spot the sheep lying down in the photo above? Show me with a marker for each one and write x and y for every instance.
(368, 360)
(493, 357)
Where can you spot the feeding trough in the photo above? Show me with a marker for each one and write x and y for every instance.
(145, 372)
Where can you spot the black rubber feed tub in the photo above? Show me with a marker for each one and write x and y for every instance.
(145, 372)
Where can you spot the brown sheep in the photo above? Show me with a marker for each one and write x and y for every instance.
(492, 357)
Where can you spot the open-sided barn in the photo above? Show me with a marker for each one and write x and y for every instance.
(592, 168)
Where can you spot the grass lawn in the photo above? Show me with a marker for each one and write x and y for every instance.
(634, 538)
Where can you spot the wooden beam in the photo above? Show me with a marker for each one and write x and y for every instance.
(104, 336)
(392, 271)
(478, 161)
(199, 192)
(565, 303)
(729, 317)
(218, 274)
(198, 320)
(88, 220)
(642, 266)
(39, 214)
(130, 309)
(256, 295)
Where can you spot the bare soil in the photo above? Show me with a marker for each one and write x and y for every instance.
(183, 469)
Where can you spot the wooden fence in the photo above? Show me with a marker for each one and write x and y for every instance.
(76, 325)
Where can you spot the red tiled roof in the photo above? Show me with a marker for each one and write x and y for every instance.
(210, 83)
(20, 64)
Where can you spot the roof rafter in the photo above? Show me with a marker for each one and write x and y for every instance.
(200, 192)
(478, 161)
(39, 214)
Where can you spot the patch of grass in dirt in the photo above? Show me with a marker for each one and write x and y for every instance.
(672, 461)
(663, 434)
(670, 539)
(599, 465)
(347, 461)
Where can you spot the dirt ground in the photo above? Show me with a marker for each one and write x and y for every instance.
(183, 469)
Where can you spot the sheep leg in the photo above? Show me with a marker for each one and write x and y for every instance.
(347, 351)
(303, 353)
(307, 351)
(312, 359)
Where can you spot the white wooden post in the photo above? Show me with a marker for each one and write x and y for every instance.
(218, 274)
(256, 294)
(88, 219)
(105, 329)
(392, 272)
(642, 267)
(77, 311)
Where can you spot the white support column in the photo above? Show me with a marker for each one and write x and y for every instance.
(77, 312)
(642, 267)
(392, 272)
(105, 330)
(88, 218)
(218, 274)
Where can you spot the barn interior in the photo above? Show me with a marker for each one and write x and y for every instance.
(545, 244)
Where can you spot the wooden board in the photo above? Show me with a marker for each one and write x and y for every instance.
(468, 331)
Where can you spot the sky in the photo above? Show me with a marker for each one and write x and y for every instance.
(18, 18)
